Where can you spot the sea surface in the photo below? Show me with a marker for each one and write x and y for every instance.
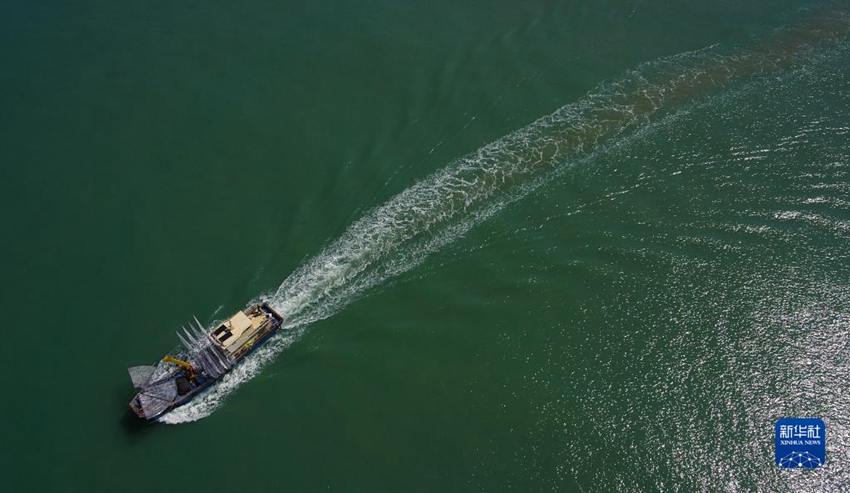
(569, 246)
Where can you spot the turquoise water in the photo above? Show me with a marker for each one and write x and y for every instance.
(556, 246)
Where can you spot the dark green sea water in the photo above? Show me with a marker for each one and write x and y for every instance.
(532, 246)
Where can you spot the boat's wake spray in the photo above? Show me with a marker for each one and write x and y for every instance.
(396, 236)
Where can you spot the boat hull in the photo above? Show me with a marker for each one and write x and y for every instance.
(202, 383)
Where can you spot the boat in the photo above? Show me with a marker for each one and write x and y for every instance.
(205, 356)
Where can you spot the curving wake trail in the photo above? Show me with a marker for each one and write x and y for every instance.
(398, 235)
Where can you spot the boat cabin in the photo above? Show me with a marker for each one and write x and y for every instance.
(233, 334)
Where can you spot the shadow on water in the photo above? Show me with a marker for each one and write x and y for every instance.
(134, 426)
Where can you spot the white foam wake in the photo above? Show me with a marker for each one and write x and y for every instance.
(398, 235)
